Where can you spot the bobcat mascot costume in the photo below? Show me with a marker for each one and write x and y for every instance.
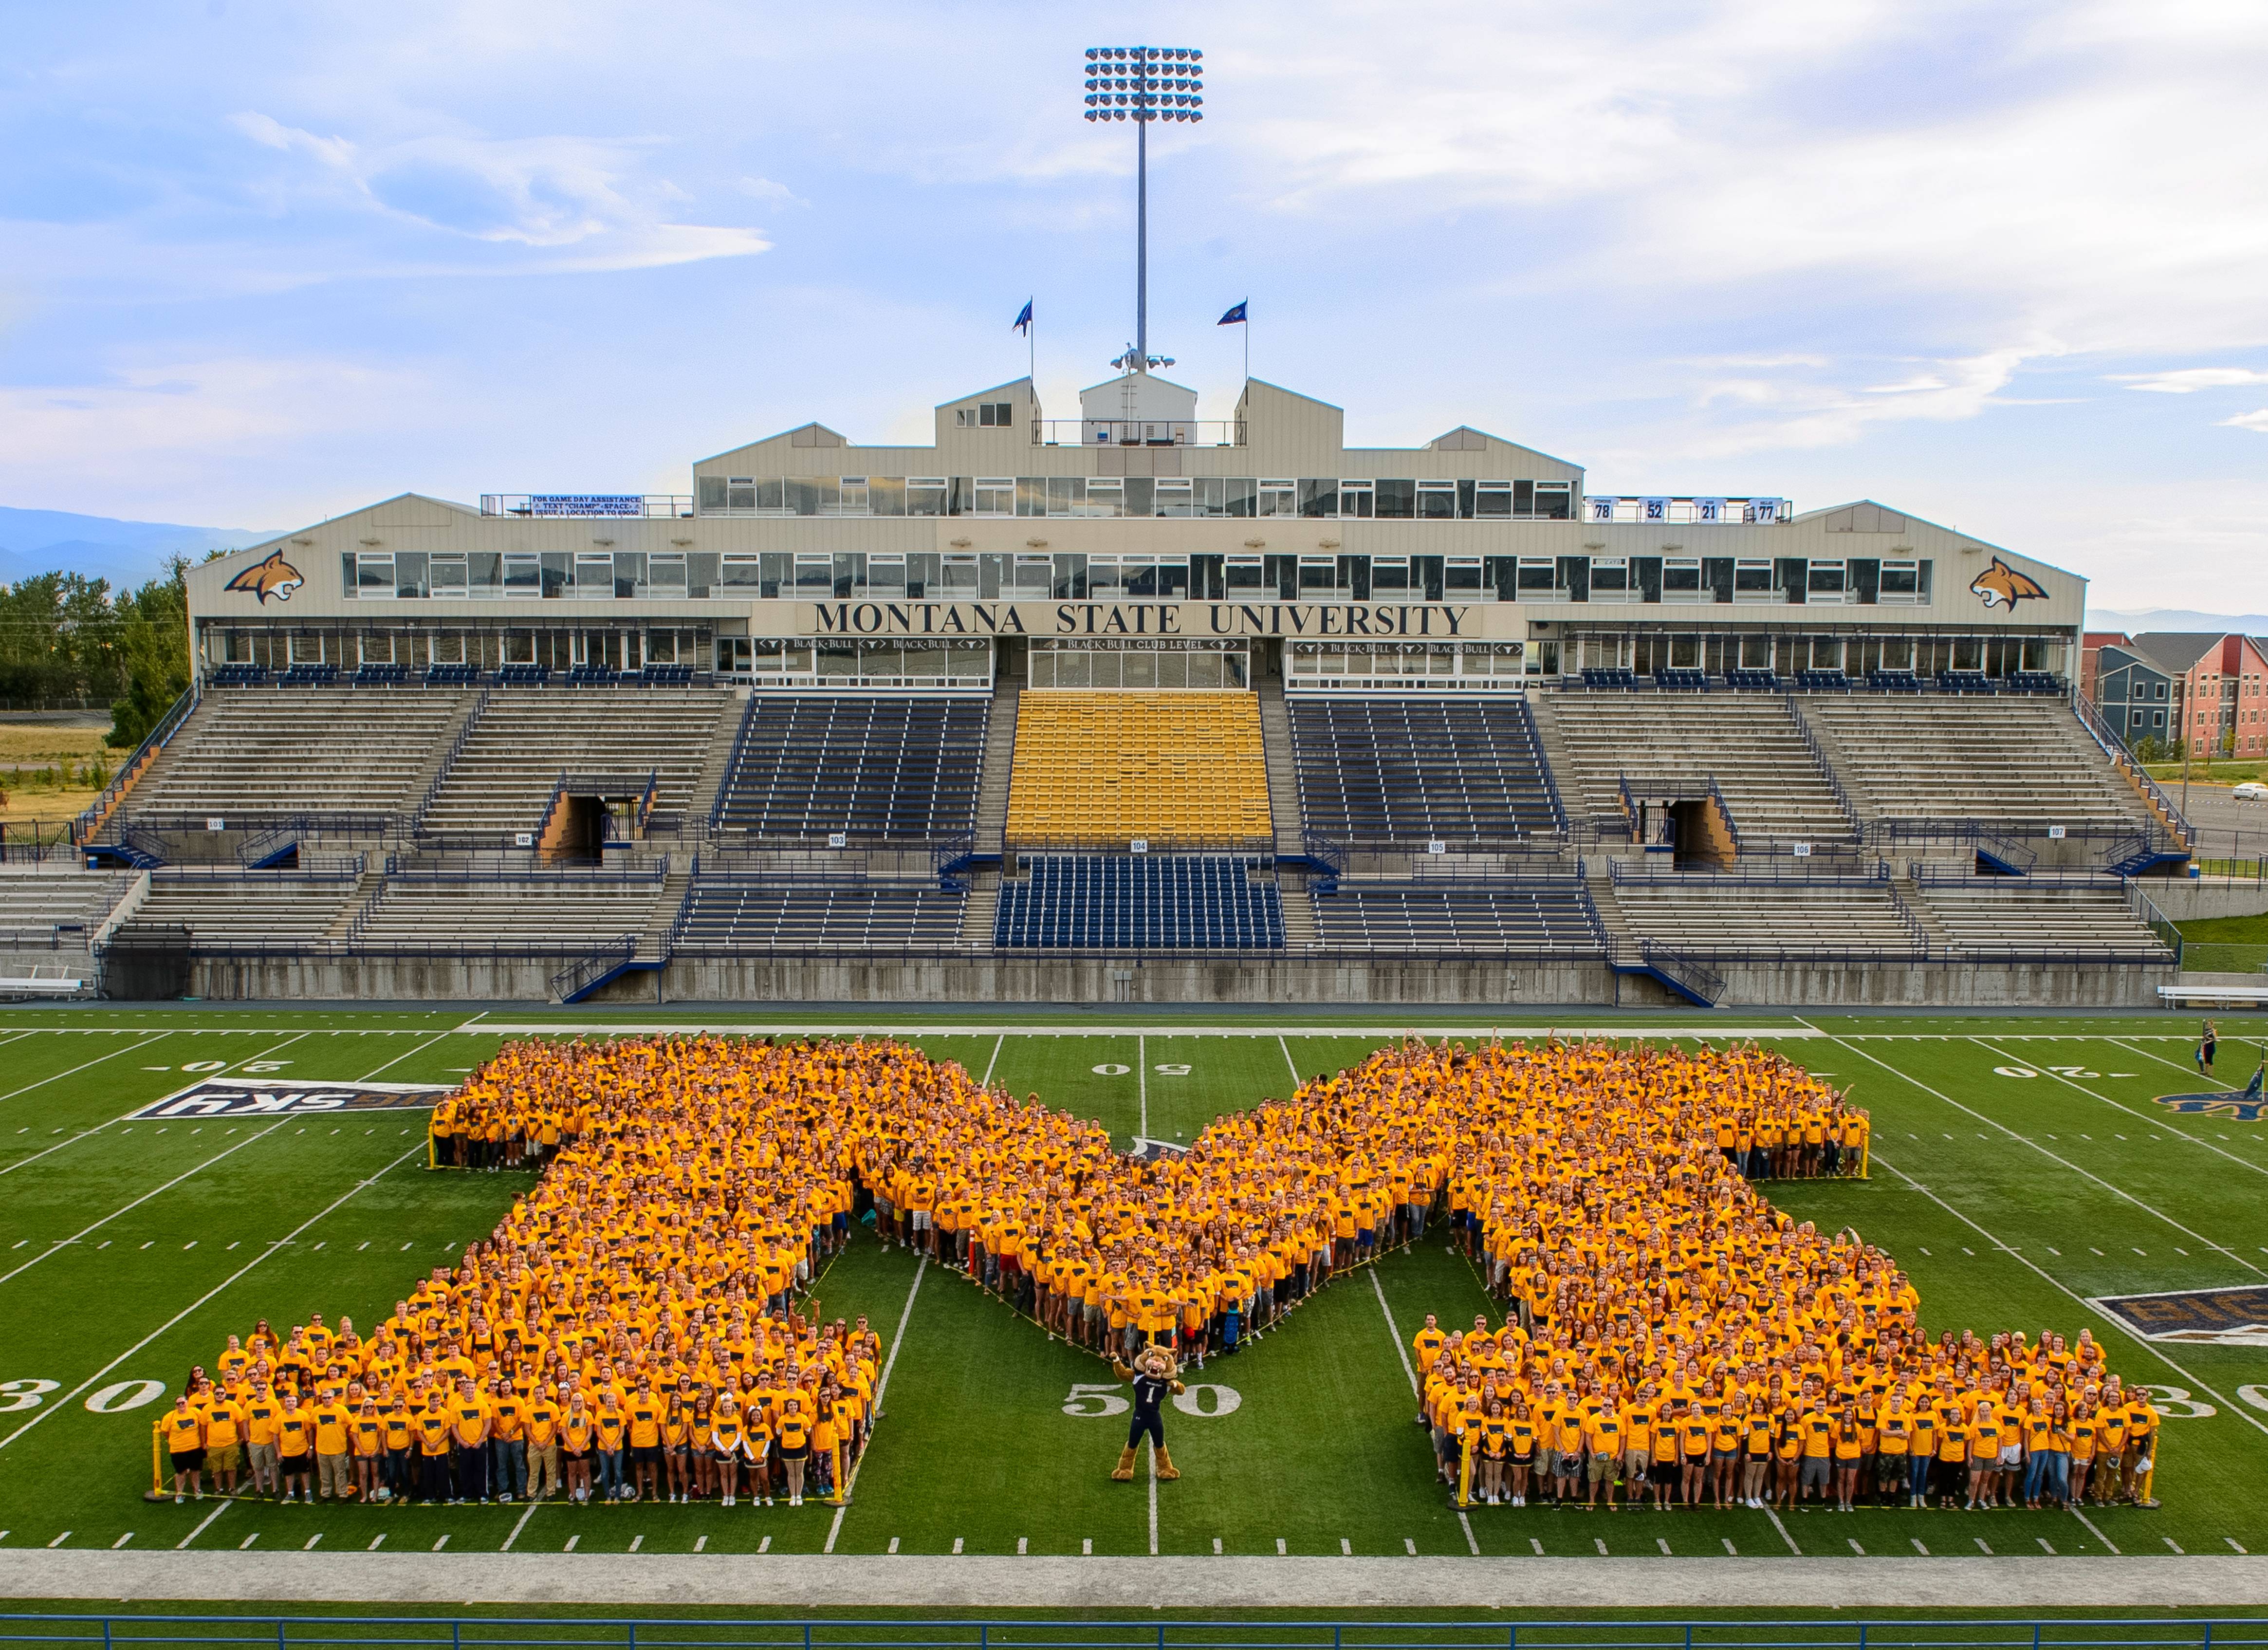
(1153, 1375)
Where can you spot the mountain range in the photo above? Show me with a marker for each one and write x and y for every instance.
(2136, 623)
(126, 553)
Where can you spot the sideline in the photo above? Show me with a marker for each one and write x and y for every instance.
(899, 1028)
(670, 1581)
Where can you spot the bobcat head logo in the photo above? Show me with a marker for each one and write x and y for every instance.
(2001, 585)
(273, 577)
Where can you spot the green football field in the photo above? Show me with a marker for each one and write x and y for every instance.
(2024, 1166)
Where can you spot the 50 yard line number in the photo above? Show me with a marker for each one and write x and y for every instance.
(1208, 1400)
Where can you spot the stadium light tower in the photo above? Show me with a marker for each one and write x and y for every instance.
(1143, 84)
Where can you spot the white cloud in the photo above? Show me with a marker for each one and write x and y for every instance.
(541, 193)
(765, 190)
(2187, 380)
(2257, 421)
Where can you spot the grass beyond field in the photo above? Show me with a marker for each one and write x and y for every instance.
(2023, 1166)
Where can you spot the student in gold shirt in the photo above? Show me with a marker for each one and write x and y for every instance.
(184, 1431)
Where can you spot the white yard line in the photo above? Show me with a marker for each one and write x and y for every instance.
(1393, 1334)
(2098, 1534)
(59, 1245)
(1142, 1086)
(2164, 1123)
(1784, 1535)
(126, 1049)
(2117, 1191)
(997, 1044)
(1630, 1032)
(2242, 1411)
(532, 1505)
(200, 1530)
(1288, 1060)
(881, 1387)
(194, 1306)
(1154, 1501)
(122, 1116)
(399, 1058)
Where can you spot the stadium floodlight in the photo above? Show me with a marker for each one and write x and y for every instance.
(1143, 84)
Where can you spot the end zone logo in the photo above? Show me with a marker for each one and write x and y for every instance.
(2250, 1106)
(2224, 1317)
(236, 1097)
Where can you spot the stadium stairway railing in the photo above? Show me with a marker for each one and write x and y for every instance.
(585, 974)
(449, 758)
(1689, 977)
(2154, 796)
(90, 823)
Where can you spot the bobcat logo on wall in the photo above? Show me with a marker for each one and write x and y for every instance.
(2001, 585)
(273, 577)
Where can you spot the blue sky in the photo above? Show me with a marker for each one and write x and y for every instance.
(2004, 265)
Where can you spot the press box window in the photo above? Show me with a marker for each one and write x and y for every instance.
(1437, 501)
(1279, 498)
(924, 495)
(1681, 579)
(1826, 582)
(996, 495)
(1901, 581)
(374, 578)
(991, 414)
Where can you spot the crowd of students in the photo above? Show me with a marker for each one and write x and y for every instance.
(1670, 1334)
(639, 1324)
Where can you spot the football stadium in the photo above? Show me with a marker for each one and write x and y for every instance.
(1132, 1026)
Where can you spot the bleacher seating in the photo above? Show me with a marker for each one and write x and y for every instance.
(384, 677)
(1773, 787)
(1751, 679)
(871, 766)
(2015, 760)
(34, 904)
(1609, 676)
(279, 906)
(1139, 902)
(1681, 678)
(1416, 769)
(309, 675)
(503, 778)
(1170, 769)
(754, 917)
(559, 912)
(2017, 917)
(1537, 917)
(1823, 680)
(250, 754)
(451, 675)
(1725, 917)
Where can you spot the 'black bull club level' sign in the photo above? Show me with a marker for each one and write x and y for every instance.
(237, 1097)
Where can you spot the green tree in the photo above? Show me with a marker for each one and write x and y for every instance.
(150, 663)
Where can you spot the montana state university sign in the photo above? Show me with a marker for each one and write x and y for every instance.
(1393, 620)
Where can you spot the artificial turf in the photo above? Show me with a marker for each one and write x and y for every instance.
(129, 1250)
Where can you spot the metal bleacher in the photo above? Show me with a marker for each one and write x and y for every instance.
(1542, 917)
(732, 917)
(869, 766)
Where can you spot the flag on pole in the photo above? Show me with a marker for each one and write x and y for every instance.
(1235, 317)
(1024, 320)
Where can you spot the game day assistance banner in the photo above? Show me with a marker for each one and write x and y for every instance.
(238, 1097)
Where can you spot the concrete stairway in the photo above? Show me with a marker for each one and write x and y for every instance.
(1000, 759)
(366, 890)
(1299, 912)
(1283, 773)
(1557, 758)
(666, 908)
(436, 758)
(700, 800)
(977, 912)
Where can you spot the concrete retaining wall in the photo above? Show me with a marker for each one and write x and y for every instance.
(2184, 899)
(1479, 981)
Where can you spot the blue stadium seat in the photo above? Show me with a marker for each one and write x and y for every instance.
(459, 676)
(1139, 903)
(1894, 681)
(1599, 676)
(239, 675)
(381, 676)
(869, 766)
(524, 675)
(1737, 676)
(1683, 679)
(1823, 680)
(309, 676)
(1411, 771)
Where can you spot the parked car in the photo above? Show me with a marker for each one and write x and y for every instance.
(2250, 790)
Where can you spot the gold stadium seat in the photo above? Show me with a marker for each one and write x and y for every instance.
(1103, 769)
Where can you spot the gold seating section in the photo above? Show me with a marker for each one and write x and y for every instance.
(1106, 769)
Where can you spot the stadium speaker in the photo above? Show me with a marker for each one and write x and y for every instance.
(147, 962)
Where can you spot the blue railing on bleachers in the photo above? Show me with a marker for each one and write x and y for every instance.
(2016, 1631)
(2090, 718)
(1819, 755)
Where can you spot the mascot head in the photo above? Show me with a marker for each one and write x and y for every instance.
(2002, 585)
(272, 577)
